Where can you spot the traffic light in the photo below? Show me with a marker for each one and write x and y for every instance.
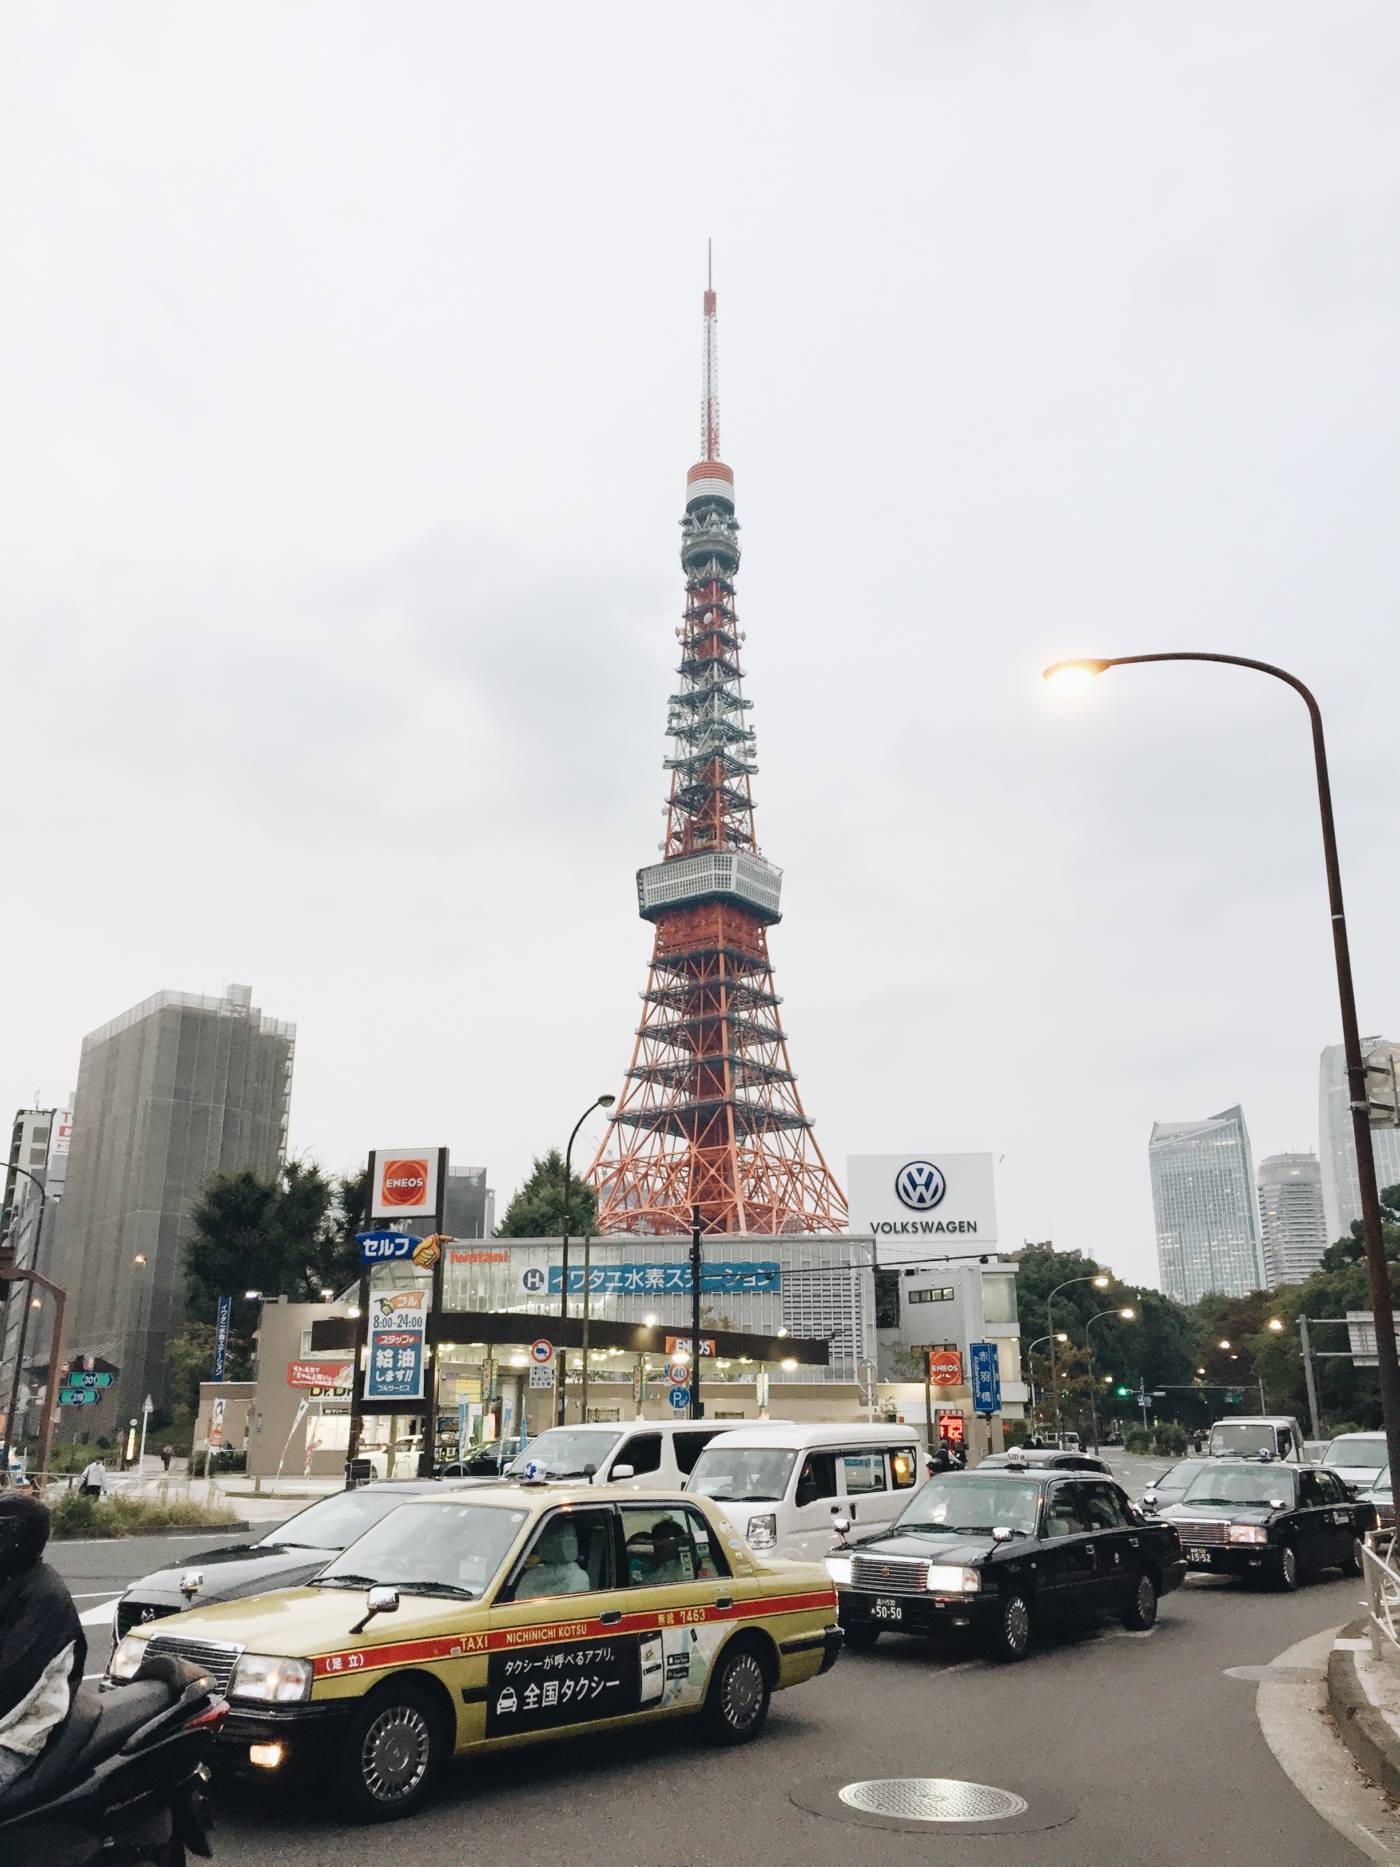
(1122, 1392)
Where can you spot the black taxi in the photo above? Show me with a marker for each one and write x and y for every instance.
(1002, 1553)
(1274, 1521)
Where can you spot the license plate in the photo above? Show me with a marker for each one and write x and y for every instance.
(1200, 1556)
(886, 1610)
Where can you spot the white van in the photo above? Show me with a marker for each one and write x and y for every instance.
(648, 1455)
(782, 1485)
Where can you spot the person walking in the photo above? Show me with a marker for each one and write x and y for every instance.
(94, 1479)
(167, 1453)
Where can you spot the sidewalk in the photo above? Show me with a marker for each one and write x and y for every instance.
(1363, 1696)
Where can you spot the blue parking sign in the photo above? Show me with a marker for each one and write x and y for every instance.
(986, 1377)
(680, 1398)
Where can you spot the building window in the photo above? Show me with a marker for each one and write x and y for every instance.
(944, 1295)
(999, 1299)
(887, 1299)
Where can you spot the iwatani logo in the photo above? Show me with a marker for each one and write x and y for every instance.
(920, 1185)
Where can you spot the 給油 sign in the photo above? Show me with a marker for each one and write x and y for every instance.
(398, 1324)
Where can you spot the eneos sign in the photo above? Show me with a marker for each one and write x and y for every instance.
(945, 1367)
(404, 1181)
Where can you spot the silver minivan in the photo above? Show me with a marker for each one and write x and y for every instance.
(781, 1486)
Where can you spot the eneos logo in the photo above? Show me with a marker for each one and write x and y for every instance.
(920, 1185)
(405, 1182)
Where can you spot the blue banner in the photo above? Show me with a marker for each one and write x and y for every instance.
(650, 1279)
(385, 1247)
(986, 1377)
(221, 1337)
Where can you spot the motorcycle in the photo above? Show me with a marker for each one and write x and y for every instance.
(123, 1785)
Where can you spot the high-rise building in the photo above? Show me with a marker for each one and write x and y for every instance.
(1336, 1147)
(709, 1119)
(1203, 1197)
(1291, 1224)
(177, 1089)
(39, 1143)
(469, 1207)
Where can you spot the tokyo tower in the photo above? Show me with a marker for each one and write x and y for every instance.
(709, 1115)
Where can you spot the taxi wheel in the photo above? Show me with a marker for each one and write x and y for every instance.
(1141, 1612)
(1354, 1564)
(736, 1708)
(1286, 1574)
(1010, 1637)
(392, 1753)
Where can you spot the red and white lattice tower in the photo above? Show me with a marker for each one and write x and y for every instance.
(710, 1115)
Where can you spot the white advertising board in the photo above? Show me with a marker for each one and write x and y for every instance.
(923, 1199)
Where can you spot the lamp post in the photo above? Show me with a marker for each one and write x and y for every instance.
(50, 1400)
(1030, 1366)
(1126, 1314)
(1100, 1280)
(1382, 1308)
(560, 1359)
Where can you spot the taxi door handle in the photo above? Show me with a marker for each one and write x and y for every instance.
(724, 1601)
(611, 1619)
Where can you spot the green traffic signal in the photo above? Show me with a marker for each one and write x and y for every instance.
(1121, 1391)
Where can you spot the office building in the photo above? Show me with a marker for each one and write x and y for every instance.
(1203, 1199)
(1291, 1225)
(1341, 1187)
(39, 1143)
(177, 1089)
(469, 1209)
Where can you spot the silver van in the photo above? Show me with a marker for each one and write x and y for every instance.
(781, 1486)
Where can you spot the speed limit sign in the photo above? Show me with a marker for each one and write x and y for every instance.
(678, 1373)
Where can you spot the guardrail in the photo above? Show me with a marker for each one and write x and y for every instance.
(1378, 1561)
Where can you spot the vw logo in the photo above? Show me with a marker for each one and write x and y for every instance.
(920, 1185)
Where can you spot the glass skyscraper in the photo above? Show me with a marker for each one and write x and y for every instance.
(1341, 1185)
(1290, 1217)
(1203, 1199)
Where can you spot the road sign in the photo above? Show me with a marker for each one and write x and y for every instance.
(541, 1352)
(76, 1377)
(945, 1367)
(78, 1397)
(680, 1398)
(986, 1377)
(678, 1373)
(542, 1374)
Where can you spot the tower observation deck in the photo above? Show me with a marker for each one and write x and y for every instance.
(709, 1115)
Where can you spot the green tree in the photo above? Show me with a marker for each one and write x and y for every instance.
(539, 1209)
(189, 1357)
(291, 1236)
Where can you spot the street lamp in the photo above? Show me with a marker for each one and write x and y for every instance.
(1125, 1313)
(560, 1360)
(1100, 1280)
(1275, 1324)
(1378, 1275)
(1030, 1365)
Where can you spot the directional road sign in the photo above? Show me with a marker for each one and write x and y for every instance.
(986, 1377)
(78, 1397)
(75, 1377)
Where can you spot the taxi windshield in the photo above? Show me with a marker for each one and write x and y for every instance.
(437, 1549)
(751, 1474)
(964, 1504)
(565, 1452)
(1251, 1485)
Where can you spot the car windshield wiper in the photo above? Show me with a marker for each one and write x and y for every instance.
(346, 1581)
(434, 1588)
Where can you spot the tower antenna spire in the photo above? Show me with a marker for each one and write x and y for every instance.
(709, 407)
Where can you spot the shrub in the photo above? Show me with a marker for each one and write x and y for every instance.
(1137, 1439)
(75, 1516)
(1171, 1439)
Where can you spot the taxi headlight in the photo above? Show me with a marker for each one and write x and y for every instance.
(267, 1680)
(128, 1656)
(839, 1569)
(944, 1579)
(762, 1532)
(1248, 1533)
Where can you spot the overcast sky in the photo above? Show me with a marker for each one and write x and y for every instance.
(349, 367)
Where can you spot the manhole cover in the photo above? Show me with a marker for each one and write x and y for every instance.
(1282, 1675)
(932, 1799)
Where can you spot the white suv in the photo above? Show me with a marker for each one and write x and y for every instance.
(648, 1455)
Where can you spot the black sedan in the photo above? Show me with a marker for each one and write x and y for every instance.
(1003, 1554)
(291, 1555)
(1024, 1458)
(1276, 1522)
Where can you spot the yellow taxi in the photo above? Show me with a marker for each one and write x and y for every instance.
(485, 1618)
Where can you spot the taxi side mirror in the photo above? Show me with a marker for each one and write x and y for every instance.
(1002, 1533)
(1278, 1503)
(377, 1601)
(1149, 1500)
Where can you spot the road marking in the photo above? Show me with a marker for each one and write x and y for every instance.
(100, 1615)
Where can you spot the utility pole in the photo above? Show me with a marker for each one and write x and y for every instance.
(1309, 1378)
(697, 1405)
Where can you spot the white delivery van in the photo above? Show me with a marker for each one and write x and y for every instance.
(648, 1455)
(782, 1485)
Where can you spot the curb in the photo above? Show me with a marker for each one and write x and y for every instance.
(197, 1531)
(1364, 1730)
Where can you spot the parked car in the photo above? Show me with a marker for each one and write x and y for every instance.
(1313, 1450)
(484, 1461)
(466, 1622)
(284, 1558)
(781, 1485)
(1358, 1459)
(1382, 1500)
(1249, 1434)
(1004, 1553)
(1168, 1488)
(1269, 1519)
(1024, 1458)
